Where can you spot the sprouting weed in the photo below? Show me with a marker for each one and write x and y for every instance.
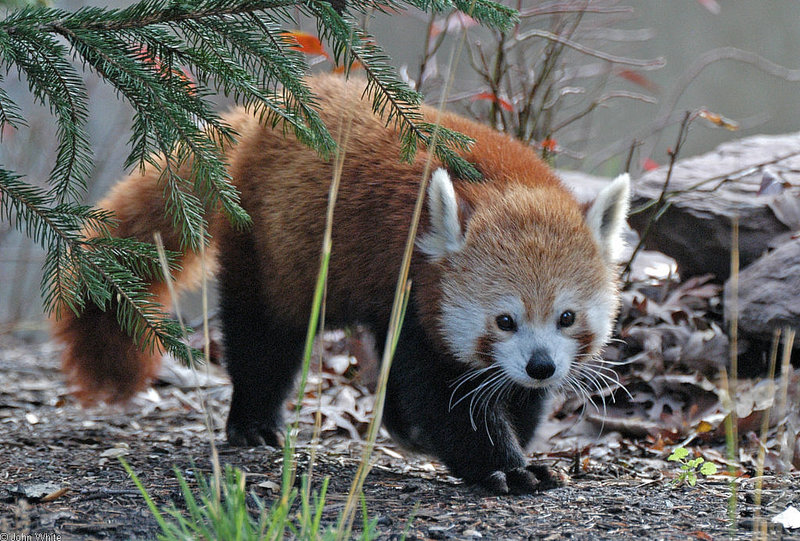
(690, 467)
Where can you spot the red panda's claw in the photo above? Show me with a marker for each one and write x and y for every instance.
(495, 483)
(528, 480)
(252, 436)
(521, 481)
(546, 478)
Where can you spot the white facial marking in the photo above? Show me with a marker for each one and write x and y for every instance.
(514, 353)
(598, 316)
(465, 322)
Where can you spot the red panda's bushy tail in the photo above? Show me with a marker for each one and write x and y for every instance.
(101, 362)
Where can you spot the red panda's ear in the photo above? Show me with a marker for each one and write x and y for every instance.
(445, 234)
(606, 216)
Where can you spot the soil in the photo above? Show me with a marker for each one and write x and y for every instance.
(60, 478)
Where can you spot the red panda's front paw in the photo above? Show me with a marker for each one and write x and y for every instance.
(516, 481)
(546, 478)
(252, 435)
(522, 481)
(527, 480)
(495, 483)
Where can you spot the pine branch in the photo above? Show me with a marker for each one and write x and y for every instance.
(98, 269)
(166, 58)
(261, 64)
(55, 83)
(490, 14)
(168, 108)
(106, 279)
(9, 112)
(140, 15)
(392, 99)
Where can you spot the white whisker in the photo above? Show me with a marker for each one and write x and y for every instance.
(607, 375)
(587, 396)
(578, 388)
(499, 385)
(485, 387)
(464, 378)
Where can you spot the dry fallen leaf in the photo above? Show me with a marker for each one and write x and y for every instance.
(789, 519)
(55, 494)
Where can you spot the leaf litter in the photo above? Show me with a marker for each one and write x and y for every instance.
(612, 452)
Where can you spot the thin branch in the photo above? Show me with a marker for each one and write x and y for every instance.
(667, 115)
(661, 204)
(560, 7)
(602, 99)
(655, 63)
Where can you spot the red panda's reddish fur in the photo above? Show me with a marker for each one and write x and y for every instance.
(102, 363)
(514, 284)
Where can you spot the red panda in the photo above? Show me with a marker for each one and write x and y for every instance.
(514, 285)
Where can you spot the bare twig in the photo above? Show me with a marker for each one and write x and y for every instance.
(662, 203)
(600, 101)
(555, 8)
(430, 48)
(649, 64)
(666, 116)
(629, 160)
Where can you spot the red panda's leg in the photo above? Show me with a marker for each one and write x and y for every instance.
(476, 441)
(262, 352)
(527, 412)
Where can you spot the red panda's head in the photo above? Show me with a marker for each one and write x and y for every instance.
(528, 278)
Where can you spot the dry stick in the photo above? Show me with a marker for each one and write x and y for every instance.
(216, 466)
(758, 523)
(634, 144)
(731, 176)
(659, 205)
(650, 64)
(494, 80)
(731, 432)
(552, 53)
(430, 50)
(711, 57)
(162, 259)
(316, 321)
(786, 372)
(550, 9)
(342, 139)
(426, 52)
(664, 118)
(637, 96)
(402, 291)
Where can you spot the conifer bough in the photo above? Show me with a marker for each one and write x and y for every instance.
(235, 47)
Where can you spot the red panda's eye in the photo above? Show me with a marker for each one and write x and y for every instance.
(566, 319)
(506, 323)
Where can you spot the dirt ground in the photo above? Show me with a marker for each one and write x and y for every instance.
(60, 478)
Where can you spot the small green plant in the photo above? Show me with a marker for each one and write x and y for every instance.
(219, 509)
(690, 467)
(220, 513)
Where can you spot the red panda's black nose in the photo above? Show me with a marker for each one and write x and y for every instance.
(540, 366)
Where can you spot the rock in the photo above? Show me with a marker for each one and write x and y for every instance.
(709, 191)
(769, 292)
